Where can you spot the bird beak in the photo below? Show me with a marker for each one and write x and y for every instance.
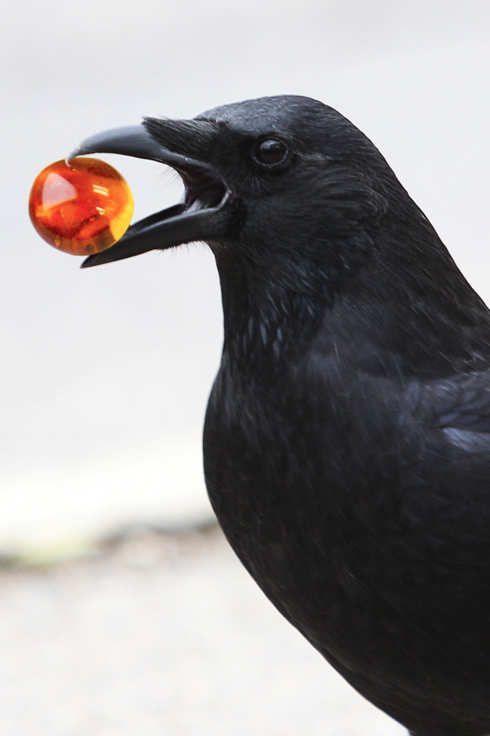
(185, 145)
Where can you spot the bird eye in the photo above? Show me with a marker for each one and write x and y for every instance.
(270, 152)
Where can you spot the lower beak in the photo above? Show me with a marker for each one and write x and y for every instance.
(205, 215)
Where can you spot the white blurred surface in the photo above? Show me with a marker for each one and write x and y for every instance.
(161, 641)
(105, 373)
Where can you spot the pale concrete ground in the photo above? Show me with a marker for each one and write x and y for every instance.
(163, 637)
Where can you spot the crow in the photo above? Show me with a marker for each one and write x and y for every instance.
(347, 434)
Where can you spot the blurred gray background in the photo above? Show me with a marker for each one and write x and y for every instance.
(105, 373)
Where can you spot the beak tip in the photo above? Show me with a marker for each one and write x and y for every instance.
(73, 154)
(88, 262)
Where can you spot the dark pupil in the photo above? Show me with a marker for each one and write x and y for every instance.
(271, 151)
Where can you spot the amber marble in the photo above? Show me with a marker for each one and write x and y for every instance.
(81, 207)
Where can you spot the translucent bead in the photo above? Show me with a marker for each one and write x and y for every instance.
(82, 207)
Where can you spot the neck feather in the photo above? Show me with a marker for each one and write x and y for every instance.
(395, 293)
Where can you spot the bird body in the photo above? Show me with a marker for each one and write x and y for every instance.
(337, 488)
(347, 435)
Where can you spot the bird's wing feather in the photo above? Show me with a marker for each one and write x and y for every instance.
(460, 408)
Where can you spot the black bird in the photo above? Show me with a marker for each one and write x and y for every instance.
(347, 436)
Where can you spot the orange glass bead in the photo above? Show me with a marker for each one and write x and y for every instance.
(82, 207)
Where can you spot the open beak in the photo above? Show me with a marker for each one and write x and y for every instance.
(206, 213)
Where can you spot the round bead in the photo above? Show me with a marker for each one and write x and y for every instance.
(81, 207)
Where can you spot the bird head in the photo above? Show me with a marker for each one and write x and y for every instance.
(284, 174)
(303, 214)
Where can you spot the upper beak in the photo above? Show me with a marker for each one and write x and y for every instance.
(206, 213)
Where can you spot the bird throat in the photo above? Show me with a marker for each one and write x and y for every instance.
(266, 320)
